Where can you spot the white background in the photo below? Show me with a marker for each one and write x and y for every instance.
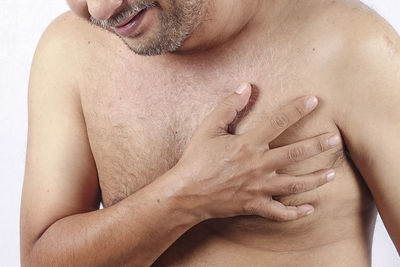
(22, 23)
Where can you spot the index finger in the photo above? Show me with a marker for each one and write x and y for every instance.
(282, 119)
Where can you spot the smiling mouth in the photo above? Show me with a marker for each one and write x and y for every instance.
(131, 26)
(131, 18)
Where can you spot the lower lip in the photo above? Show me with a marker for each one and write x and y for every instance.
(132, 26)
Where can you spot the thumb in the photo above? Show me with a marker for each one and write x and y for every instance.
(217, 122)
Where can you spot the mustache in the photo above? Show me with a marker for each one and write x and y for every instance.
(122, 15)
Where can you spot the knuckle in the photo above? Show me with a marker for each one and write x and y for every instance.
(321, 180)
(290, 201)
(251, 208)
(228, 102)
(244, 148)
(280, 217)
(299, 108)
(296, 153)
(295, 188)
(279, 121)
(321, 144)
(240, 149)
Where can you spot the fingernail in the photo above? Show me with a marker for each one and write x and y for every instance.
(242, 88)
(309, 212)
(333, 140)
(311, 103)
(330, 175)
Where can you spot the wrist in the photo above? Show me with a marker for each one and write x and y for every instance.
(173, 187)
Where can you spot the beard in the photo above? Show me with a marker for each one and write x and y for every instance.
(178, 19)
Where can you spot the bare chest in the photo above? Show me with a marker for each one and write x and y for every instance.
(139, 123)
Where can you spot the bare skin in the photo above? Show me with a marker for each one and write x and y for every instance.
(107, 102)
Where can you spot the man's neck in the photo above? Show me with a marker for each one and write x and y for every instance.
(264, 19)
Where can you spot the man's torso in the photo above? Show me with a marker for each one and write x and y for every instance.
(141, 112)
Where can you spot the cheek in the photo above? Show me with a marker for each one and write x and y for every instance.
(79, 7)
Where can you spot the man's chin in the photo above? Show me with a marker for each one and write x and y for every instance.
(152, 44)
(142, 47)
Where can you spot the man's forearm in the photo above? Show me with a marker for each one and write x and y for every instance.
(136, 231)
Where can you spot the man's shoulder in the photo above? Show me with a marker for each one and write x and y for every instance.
(67, 30)
(358, 46)
(352, 54)
(68, 22)
(369, 47)
(71, 38)
(62, 42)
(70, 47)
(351, 24)
(366, 31)
(362, 68)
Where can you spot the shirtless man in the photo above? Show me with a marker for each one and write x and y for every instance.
(157, 141)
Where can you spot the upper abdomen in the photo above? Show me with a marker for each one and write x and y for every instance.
(339, 230)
